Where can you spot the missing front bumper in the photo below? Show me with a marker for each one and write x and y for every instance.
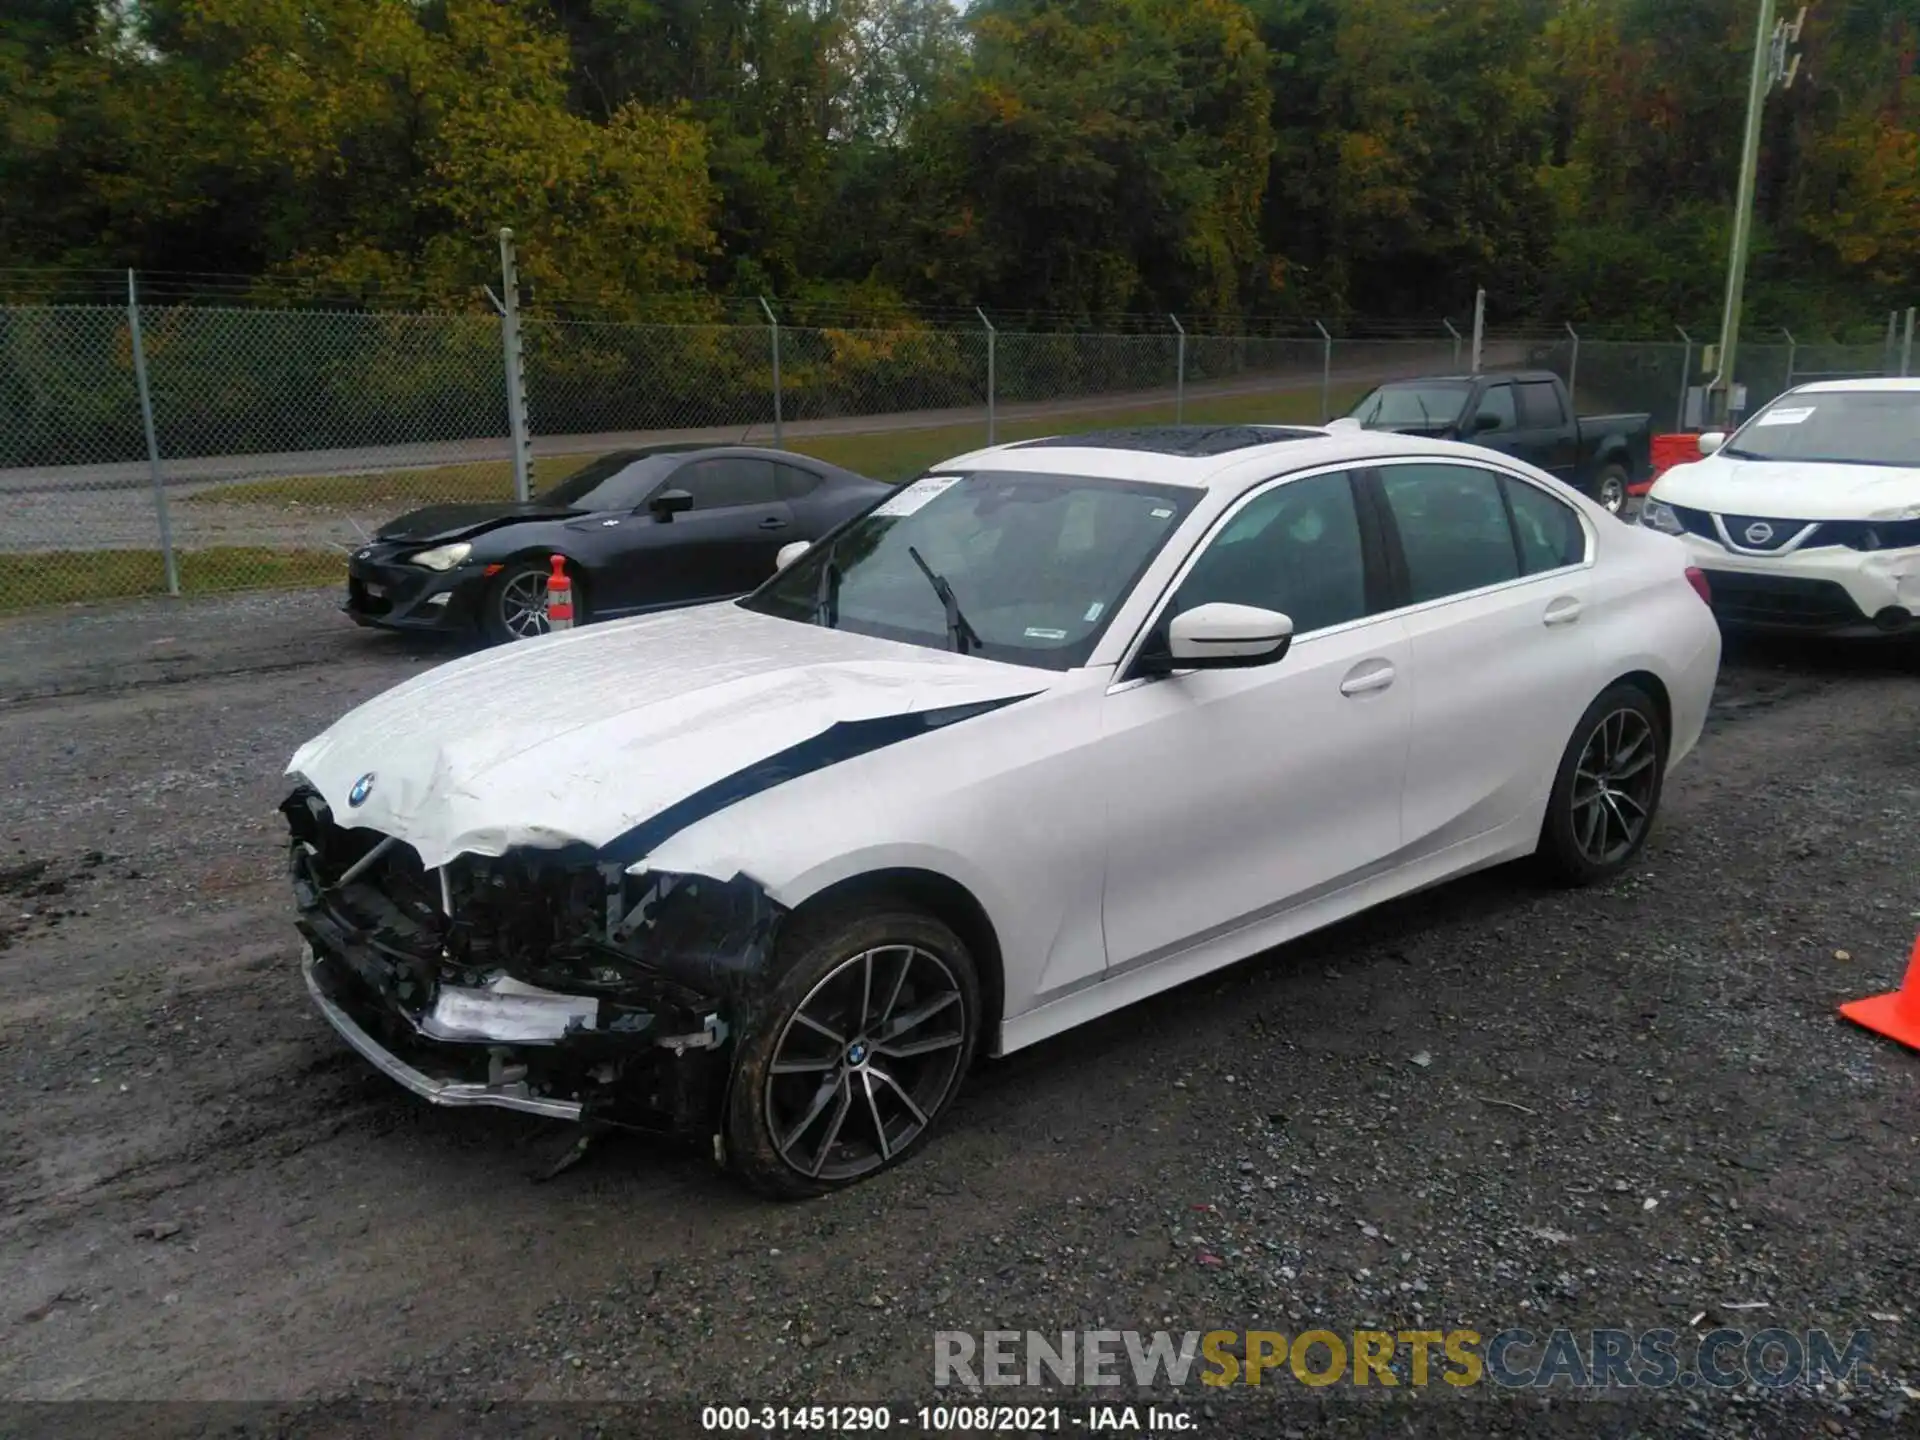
(535, 982)
(503, 1093)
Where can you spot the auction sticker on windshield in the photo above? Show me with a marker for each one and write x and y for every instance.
(1790, 416)
(914, 496)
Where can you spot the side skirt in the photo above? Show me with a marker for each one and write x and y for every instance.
(1510, 842)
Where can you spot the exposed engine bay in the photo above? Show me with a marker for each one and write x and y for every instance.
(549, 981)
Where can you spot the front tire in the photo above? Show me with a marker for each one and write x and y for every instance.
(856, 1054)
(514, 606)
(1607, 789)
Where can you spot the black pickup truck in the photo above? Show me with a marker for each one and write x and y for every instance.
(1525, 414)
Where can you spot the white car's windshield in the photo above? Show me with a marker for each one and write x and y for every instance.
(1847, 427)
(1434, 406)
(1018, 567)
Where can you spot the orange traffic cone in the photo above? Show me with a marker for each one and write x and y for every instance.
(559, 596)
(1897, 1014)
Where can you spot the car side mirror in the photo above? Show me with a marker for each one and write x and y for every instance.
(1486, 420)
(1712, 441)
(791, 552)
(669, 503)
(1219, 636)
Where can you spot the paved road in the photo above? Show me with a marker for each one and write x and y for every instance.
(1414, 358)
(1490, 1106)
(110, 507)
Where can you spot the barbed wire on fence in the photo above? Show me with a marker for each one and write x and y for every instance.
(283, 434)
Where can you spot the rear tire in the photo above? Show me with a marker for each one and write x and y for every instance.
(1610, 489)
(857, 1052)
(1607, 789)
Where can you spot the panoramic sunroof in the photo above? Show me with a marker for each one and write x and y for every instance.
(1195, 441)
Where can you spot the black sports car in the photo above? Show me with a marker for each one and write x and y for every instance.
(640, 529)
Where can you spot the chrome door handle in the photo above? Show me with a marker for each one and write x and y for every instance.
(1367, 676)
(1563, 611)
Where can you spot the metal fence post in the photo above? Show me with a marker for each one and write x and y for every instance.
(1686, 374)
(153, 438)
(1456, 342)
(1906, 346)
(1179, 371)
(773, 329)
(509, 306)
(1326, 372)
(1573, 367)
(1792, 345)
(990, 378)
(1479, 327)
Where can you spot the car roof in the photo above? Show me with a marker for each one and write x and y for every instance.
(720, 448)
(1880, 382)
(1266, 451)
(1469, 379)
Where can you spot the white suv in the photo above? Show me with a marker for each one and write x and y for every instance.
(1808, 517)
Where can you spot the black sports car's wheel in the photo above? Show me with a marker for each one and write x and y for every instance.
(1610, 488)
(515, 604)
(858, 1052)
(1607, 789)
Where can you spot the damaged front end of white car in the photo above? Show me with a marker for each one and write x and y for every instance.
(549, 981)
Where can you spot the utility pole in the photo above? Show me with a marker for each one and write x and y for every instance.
(516, 368)
(1775, 62)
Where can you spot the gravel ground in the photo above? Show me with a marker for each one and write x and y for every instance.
(1488, 1106)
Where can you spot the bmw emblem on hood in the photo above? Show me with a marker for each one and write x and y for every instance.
(362, 788)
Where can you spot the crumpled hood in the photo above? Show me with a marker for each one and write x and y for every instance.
(457, 522)
(1791, 489)
(581, 736)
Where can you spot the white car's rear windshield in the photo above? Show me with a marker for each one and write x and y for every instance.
(1016, 567)
(1847, 427)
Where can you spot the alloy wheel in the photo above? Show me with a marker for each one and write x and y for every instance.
(1613, 786)
(865, 1062)
(523, 604)
(1613, 494)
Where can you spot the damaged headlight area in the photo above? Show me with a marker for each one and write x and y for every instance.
(548, 981)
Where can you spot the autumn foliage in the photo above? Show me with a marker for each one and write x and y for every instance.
(1225, 159)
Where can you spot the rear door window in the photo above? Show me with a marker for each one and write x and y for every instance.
(1550, 533)
(1453, 528)
(1540, 407)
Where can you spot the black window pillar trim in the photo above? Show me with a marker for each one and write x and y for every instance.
(1376, 518)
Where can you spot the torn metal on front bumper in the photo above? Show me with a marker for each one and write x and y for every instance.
(545, 982)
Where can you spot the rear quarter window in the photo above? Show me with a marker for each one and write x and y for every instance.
(1549, 533)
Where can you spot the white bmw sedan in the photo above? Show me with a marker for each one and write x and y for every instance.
(1808, 518)
(1049, 730)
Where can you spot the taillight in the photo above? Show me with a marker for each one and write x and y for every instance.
(1697, 578)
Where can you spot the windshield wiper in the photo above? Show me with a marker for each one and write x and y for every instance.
(959, 633)
(1740, 454)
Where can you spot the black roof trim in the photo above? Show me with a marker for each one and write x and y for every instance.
(1489, 375)
(1192, 441)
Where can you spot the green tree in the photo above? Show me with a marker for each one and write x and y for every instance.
(1096, 156)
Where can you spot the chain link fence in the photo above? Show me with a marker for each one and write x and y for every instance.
(281, 438)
